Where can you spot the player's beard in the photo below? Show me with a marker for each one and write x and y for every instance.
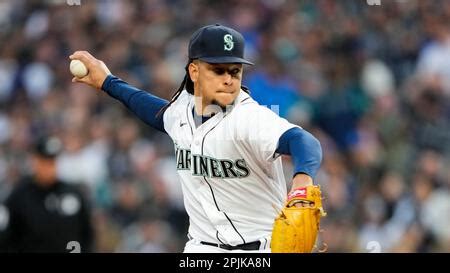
(222, 106)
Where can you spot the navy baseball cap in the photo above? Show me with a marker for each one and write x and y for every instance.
(48, 147)
(217, 44)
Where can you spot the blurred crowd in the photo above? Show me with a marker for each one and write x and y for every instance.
(372, 83)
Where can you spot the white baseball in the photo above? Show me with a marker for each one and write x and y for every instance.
(78, 69)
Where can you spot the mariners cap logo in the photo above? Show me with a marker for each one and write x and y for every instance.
(228, 42)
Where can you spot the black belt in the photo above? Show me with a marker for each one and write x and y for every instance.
(248, 246)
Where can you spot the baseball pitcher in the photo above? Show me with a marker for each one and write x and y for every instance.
(227, 150)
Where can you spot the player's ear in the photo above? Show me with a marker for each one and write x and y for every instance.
(193, 69)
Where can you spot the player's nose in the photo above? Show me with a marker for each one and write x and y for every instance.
(227, 79)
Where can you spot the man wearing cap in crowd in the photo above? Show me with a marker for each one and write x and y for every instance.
(42, 213)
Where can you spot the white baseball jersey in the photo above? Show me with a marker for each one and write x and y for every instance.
(232, 180)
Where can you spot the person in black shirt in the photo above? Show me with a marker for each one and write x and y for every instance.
(44, 214)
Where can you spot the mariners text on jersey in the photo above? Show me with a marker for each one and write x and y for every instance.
(201, 165)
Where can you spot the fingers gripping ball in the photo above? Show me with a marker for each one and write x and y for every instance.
(78, 69)
(295, 229)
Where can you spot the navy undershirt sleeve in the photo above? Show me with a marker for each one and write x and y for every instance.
(141, 103)
(304, 149)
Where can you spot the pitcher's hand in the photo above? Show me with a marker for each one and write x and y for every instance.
(97, 70)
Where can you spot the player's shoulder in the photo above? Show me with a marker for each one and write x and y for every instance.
(248, 106)
(184, 98)
(181, 102)
(178, 107)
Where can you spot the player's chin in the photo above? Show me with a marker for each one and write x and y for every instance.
(225, 98)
